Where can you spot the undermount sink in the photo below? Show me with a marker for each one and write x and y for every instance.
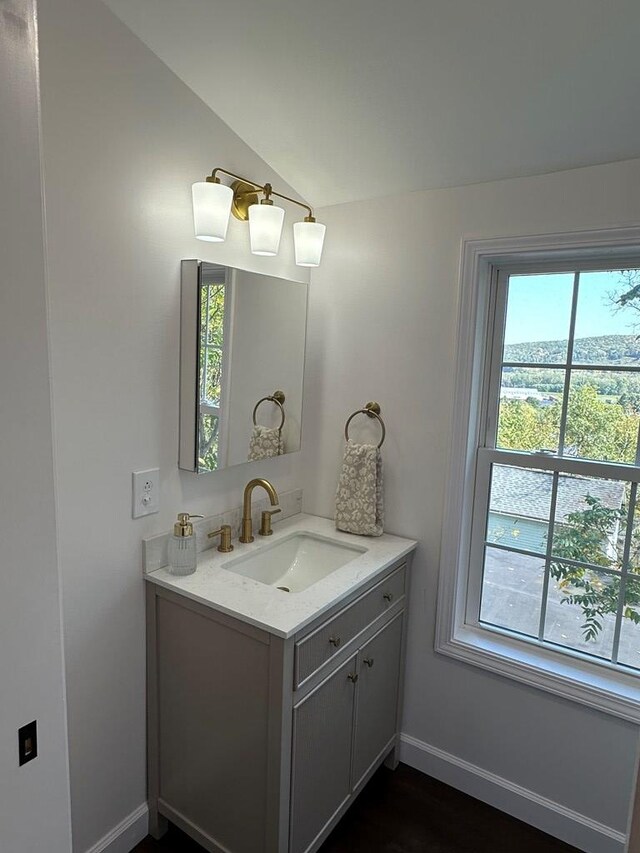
(295, 562)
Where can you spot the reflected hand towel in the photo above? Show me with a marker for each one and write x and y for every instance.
(264, 443)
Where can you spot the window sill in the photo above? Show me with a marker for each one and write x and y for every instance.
(597, 687)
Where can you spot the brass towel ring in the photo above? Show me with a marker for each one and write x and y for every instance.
(372, 410)
(278, 398)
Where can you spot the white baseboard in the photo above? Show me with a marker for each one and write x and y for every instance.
(124, 837)
(551, 817)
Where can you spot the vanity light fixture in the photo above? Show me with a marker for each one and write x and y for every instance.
(214, 201)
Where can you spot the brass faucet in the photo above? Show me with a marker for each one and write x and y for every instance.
(247, 527)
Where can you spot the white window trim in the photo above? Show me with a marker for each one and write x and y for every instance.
(562, 673)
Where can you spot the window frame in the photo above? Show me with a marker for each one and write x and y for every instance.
(458, 633)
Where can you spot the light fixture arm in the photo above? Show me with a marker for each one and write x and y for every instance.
(243, 191)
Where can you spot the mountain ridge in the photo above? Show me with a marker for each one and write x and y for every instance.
(595, 349)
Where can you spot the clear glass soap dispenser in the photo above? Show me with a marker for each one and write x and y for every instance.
(183, 555)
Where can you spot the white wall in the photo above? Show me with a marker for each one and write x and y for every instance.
(34, 799)
(123, 141)
(383, 326)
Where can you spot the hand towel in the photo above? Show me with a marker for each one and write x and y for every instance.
(359, 499)
(264, 442)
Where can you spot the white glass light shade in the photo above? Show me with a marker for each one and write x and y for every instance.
(308, 239)
(265, 228)
(211, 208)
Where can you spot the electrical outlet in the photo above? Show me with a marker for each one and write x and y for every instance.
(27, 743)
(146, 492)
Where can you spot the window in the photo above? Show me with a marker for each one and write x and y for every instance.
(540, 574)
(214, 335)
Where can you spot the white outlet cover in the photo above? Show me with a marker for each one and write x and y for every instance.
(146, 492)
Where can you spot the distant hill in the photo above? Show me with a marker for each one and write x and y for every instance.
(605, 349)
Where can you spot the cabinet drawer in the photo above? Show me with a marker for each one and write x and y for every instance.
(320, 646)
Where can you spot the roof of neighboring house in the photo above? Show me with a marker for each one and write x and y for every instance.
(519, 491)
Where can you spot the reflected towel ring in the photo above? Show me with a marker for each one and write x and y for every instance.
(278, 398)
(372, 410)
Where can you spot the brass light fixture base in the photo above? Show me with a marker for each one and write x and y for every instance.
(244, 195)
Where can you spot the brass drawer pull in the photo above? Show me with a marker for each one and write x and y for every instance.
(388, 596)
(334, 641)
(353, 677)
(369, 662)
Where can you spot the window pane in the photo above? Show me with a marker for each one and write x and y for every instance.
(211, 359)
(538, 317)
(208, 450)
(581, 608)
(607, 318)
(590, 520)
(519, 508)
(512, 591)
(603, 415)
(530, 408)
(215, 321)
(629, 648)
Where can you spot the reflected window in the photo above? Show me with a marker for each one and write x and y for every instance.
(213, 340)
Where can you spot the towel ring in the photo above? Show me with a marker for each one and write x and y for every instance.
(372, 410)
(278, 398)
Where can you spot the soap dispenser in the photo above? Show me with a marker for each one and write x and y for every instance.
(183, 555)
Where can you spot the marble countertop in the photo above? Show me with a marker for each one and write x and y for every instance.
(267, 607)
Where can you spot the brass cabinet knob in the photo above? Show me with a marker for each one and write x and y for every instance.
(369, 662)
(334, 641)
(353, 677)
(388, 596)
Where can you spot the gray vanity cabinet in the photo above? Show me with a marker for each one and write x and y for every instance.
(322, 748)
(341, 730)
(258, 744)
(376, 702)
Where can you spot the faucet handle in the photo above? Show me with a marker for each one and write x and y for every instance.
(265, 524)
(225, 538)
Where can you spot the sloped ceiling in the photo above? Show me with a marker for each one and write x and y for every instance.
(352, 99)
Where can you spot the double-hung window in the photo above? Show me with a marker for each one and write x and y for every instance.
(546, 508)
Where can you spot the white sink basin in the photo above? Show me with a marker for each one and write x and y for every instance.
(295, 562)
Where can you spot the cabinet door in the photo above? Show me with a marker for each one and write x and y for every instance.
(377, 698)
(321, 764)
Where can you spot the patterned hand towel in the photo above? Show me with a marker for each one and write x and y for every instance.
(359, 500)
(264, 442)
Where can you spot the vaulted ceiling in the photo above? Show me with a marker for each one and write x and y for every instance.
(352, 99)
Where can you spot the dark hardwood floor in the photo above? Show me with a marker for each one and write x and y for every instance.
(408, 812)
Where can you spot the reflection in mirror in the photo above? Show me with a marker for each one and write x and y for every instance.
(241, 368)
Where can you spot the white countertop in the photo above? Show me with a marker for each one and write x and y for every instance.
(267, 607)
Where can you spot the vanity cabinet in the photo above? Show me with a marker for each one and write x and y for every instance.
(259, 743)
(341, 730)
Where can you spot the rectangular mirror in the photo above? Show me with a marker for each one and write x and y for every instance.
(242, 339)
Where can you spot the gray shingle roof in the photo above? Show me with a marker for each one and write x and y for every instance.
(527, 493)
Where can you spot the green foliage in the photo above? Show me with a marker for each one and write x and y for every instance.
(212, 297)
(211, 342)
(630, 402)
(584, 537)
(596, 429)
(601, 349)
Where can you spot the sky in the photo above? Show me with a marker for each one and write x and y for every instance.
(539, 307)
